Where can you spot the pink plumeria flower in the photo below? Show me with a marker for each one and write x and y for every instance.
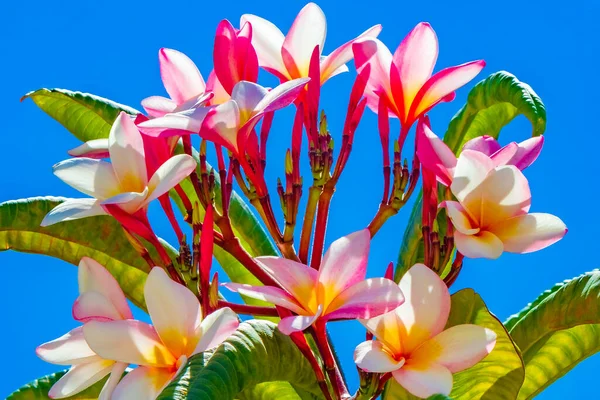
(412, 343)
(160, 350)
(338, 290)
(403, 81)
(122, 182)
(288, 57)
(437, 157)
(230, 123)
(101, 299)
(491, 214)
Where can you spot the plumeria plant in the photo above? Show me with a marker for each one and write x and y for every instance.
(201, 153)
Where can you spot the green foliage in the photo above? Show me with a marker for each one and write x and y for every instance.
(557, 331)
(496, 377)
(38, 389)
(100, 238)
(491, 105)
(255, 354)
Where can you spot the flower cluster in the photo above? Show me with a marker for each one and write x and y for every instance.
(482, 193)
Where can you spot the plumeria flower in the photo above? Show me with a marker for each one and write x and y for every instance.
(491, 214)
(160, 350)
(102, 299)
(288, 57)
(403, 81)
(437, 157)
(230, 123)
(122, 182)
(338, 290)
(412, 343)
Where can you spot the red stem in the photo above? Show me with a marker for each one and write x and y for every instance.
(250, 310)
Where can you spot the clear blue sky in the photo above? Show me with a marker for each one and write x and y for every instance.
(110, 48)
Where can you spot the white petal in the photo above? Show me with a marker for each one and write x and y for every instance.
(92, 177)
(267, 39)
(424, 380)
(130, 202)
(126, 149)
(115, 376)
(96, 148)
(168, 175)
(68, 349)
(72, 209)
(372, 356)
(216, 328)
(143, 383)
(80, 377)
(471, 169)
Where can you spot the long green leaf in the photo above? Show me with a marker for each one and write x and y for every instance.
(256, 353)
(278, 390)
(491, 105)
(85, 115)
(557, 331)
(38, 389)
(496, 377)
(100, 238)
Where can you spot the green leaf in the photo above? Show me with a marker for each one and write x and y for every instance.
(496, 377)
(256, 353)
(278, 390)
(38, 389)
(100, 238)
(557, 331)
(85, 115)
(491, 105)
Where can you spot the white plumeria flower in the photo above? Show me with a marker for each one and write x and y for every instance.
(123, 181)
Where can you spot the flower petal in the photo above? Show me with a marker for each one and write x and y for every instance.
(72, 209)
(143, 383)
(92, 177)
(93, 277)
(503, 156)
(96, 148)
(424, 380)
(531, 232)
(434, 154)
(80, 377)
(213, 85)
(69, 349)
(472, 168)
(528, 152)
(388, 328)
(289, 325)
(267, 39)
(340, 56)
(158, 106)
(372, 52)
(366, 299)
(128, 341)
(175, 312)
(281, 96)
(126, 149)
(94, 306)
(175, 124)
(443, 84)
(215, 328)
(344, 265)
(482, 245)
(222, 124)
(180, 75)
(129, 202)
(484, 144)
(116, 373)
(308, 31)
(461, 220)
(457, 348)
(372, 356)
(415, 59)
(169, 174)
(267, 293)
(247, 95)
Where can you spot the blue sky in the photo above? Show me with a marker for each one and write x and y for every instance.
(110, 49)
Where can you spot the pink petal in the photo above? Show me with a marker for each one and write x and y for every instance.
(415, 59)
(158, 106)
(434, 154)
(216, 328)
(503, 156)
(267, 293)
(344, 265)
(531, 232)
(96, 148)
(366, 299)
(424, 380)
(457, 348)
(95, 178)
(482, 245)
(484, 144)
(128, 341)
(169, 174)
(528, 152)
(372, 52)
(180, 75)
(93, 277)
(175, 124)
(127, 155)
(143, 383)
(281, 96)
(79, 378)
(247, 96)
(94, 306)
(221, 125)
(372, 356)
(461, 220)
(115, 376)
(72, 209)
(472, 168)
(213, 85)
(175, 312)
(443, 84)
(245, 53)
(69, 349)
(289, 325)
(340, 56)
(267, 39)
(224, 55)
(308, 30)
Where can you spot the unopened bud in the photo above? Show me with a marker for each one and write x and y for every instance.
(213, 293)
(203, 147)
(289, 165)
(137, 245)
(323, 124)
(196, 215)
